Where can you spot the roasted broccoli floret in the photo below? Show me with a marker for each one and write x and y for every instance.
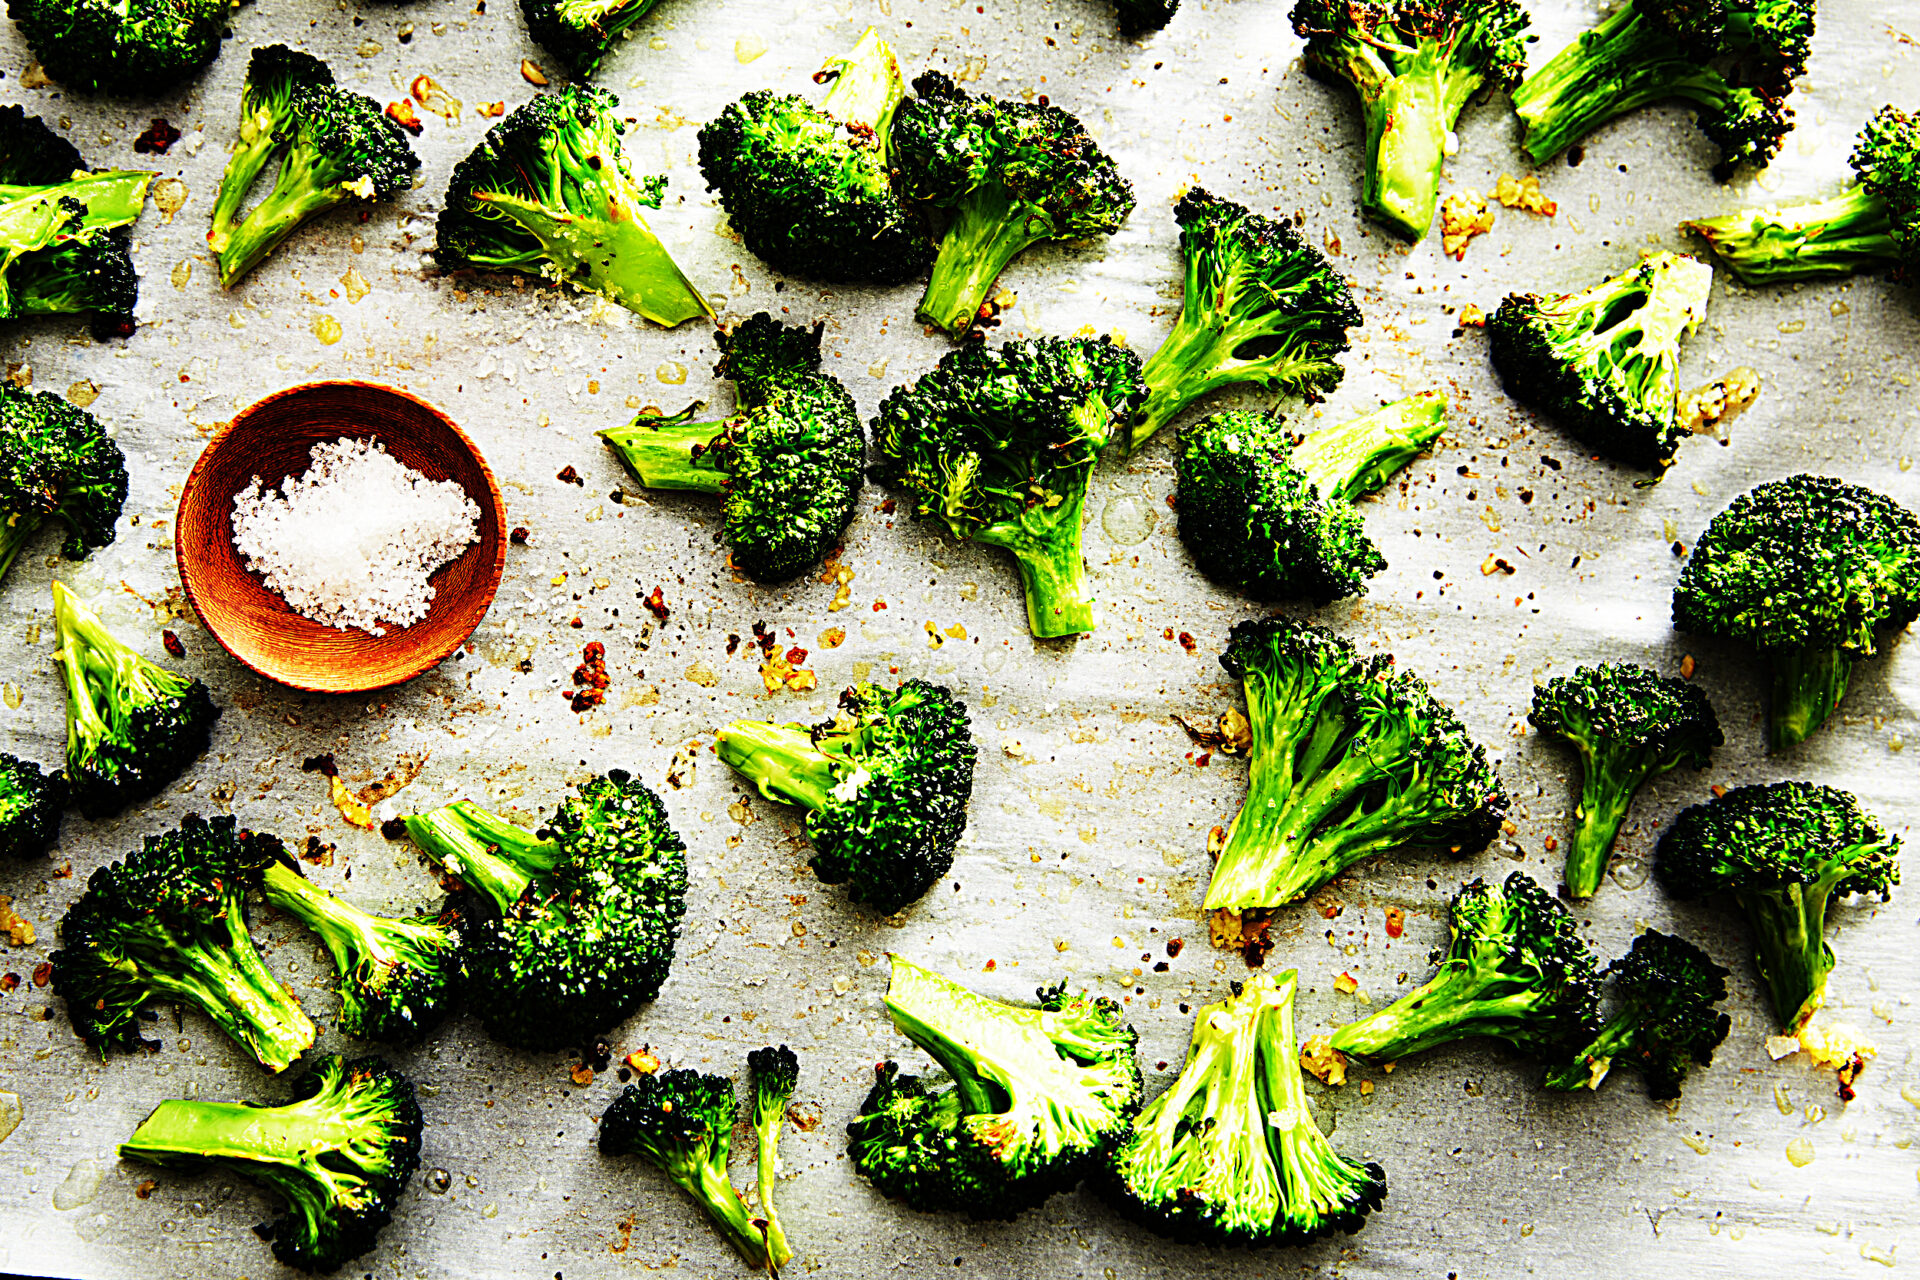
(775, 1073)
(1006, 175)
(269, 104)
(808, 188)
(132, 726)
(549, 191)
(1784, 851)
(398, 978)
(1414, 64)
(1807, 570)
(1873, 223)
(1666, 1024)
(30, 806)
(64, 230)
(1734, 60)
(56, 462)
(1277, 520)
(885, 783)
(1515, 970)
(340, 1154)
(1628, 725)
(1137, 17)
(1261, 306)
(583, 914)
(1349, 758)
(1230, 1153)
(169, 922)
(1038, 1098)
(127, 48)
(1605, 363)
(788, 464)
(999, 445)
(581, 32)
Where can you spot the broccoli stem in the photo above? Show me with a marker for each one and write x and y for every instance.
(226, 1131)
(251, 150)
(15, 534)
(1276, 852)
(781, 760)
(489, 854)
(1351, 460)
(1593, 1063)
(989, 229)
(1440, 1010)
(354, 938)
(1604, 798)
(1317, 1178)
(306, 186)
(1045, 545)
(767, 1165)
(723, 1205)
(1407, 124)
(93, 656)
(867, 86)
(1807, 685)
(1790, 950)
(670, 453)
(1832, 237)
(1622, 64)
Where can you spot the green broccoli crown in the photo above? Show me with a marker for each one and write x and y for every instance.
(31, 154)
(1038, 1096)
(340, 1154)
(1887, 161)
(31, 802)
(808, 187)
(999, 445)
(1666, 1025)
(1349, 758)
(581, 32)
(1137, 17)
(1261, 306)
(169, 922)
(86, 275)
(1515, 970)
(126, 48)
(56, 460)
(886, 783)
(1604, 363)
(1230, 1154)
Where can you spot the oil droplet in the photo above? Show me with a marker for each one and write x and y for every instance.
(1699, 1145)
(355, 285)
(1874, 1253)
(671, 372)
(1526, 1229)
(1800, 1153)
(1629, 873)
(747, 48)
(11, 1114)
(491, 1211)
(10, 692)
(878, 369)
(1780, 1098)
(438, 1180)
(182, 273)
(1128, 519)
(1792, 326)
(83, 393)
(81, 1186)
(327, 329)
(1911, 1094)
(1815, 1113)
(169, 197)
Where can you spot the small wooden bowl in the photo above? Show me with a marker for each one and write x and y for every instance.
(274, 439)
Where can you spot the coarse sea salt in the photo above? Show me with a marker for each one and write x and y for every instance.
(352, 542)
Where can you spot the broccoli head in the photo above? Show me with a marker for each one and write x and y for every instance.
(1873, 223)
(1007, 175)
(66, 237)
(1515, 970)
(132, 726)
(1605, 363)
(397, 978)
(1783, 851)
(885, 783)
(1277, 520)
(1628, 725)
(581, 32)
(787, 465)
(30, 806)
(270, 99)
(169, 922)
(126, 48)
(1349, 758)
(92, 275)
(1038, 1098)
(809, 187)
(1230, 1154)
(1733, 60)
(999, 445)
(56, 462)
(1414, 64)
(1807, 570)
(550, 191)
(775, 1074)
(1666, 1024)
(580, 919)
(340, 1154)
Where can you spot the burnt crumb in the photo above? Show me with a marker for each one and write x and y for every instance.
(172, 642)
(159, 135)
(519, 535)
(567, 475)
(590, 677)
(320, 764)
(657, 606)
(394, 829)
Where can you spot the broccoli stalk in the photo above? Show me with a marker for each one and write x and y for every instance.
(775, 1074)
(1666, 1024)
(82, 262)
(673, 452)
(488, 854)
(1347, 462)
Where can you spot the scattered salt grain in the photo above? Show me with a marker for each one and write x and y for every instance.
(352, 542)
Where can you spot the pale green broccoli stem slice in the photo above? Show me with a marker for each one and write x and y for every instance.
(670, 453)
(990, 228)
(1606, 792)
(1807, 685)
(1351, 460)
(867, 86)
(1789, 924)
(1045, 545)
(489, 854)
(781, 760)
(1832, 237)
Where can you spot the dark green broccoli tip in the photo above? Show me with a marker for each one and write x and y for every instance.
(1230, 1154)
(775, 1072)
(397, 978)
(681, 1122)
(125, 48)
(31, 154)
(1734, 62)
(1628, 725)
(1604, 363)
(999, 445)
(1138, 17)
(581, 32)
(1806, 569)
(1006, 175)
(1874, 223)
(582, 917)
(1038, 1097)
(1665, 1026)
(56, 462)
(340, 1153)
(1414, 67)
(169, 922)
(550, 191)
(886, 783)
(1261, 306)
(31, 802)
(788, 466)
(1349, 758)
(132, 726)
(808, 188)
(1277, 520)
(1515, 970)
(1784, 851)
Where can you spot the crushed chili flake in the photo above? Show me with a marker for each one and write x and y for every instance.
(43, 974)
(145, 1189)
(1396, 922)
(316, 852)
(172, 642)
(657, 606)
(519, 535)
(403, 114)
(1188, 643)
(591, 677)
(582, 1075)
(529, 69)
(15, 928)
(567, 475)
(394, 829)
(9, 982)
(1174, 947)
(1346, 984)
(158, 137)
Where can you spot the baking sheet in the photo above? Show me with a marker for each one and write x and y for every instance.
(1086, 855)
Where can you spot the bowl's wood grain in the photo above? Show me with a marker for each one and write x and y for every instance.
(273, 439)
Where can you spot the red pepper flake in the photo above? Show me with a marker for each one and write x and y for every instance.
(1188, 643)
(1203, 759)
(145, 1189)
(1174, 947)
(796, 655)
(887, 507)
(43, 974)
(402, 114)
(154, 142)
(9, 982)
(576, 623)
(1396, 922)
(173, 644)
(878, 605)
(657, 606)
(568, 475)
(582, 1075)
(1847, 1074)
(519, 535)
